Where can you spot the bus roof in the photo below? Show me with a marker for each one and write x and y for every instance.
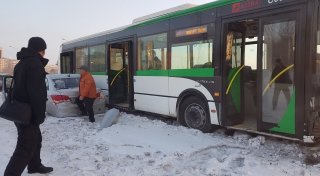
(162, 13)
(97, 34)
(195, 9)
(171, 13)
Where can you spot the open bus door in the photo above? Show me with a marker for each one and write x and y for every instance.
(120, 74)
(234, 64)
(260, 72)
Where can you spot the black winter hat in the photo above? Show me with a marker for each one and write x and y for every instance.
(37, 43)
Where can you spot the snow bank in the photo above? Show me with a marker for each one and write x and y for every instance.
(138, 146)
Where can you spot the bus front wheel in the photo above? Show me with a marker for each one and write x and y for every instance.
(194, 113)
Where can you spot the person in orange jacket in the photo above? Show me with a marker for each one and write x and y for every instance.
(88, 93)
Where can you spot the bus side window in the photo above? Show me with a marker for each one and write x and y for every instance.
(82, 57)
(152, 52)
(192, 55)
(97, 58)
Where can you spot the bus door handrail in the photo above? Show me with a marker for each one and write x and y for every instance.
(114, 79)
(233, 78)
(276, 77)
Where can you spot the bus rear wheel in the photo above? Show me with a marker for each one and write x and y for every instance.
(194, 113)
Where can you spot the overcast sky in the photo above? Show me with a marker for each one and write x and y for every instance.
(58, 21)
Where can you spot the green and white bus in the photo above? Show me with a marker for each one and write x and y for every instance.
(250, 65)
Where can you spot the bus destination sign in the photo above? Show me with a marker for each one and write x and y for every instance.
(192, 31)
(246, 5)
(254, 4)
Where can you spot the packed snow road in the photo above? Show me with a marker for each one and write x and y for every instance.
(143, 147)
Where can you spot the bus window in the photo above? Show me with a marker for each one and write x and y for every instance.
(180, 57)
(66, 63)
(152, 52)
(116, 59)
(98, 58)
(192, 55)
(251, 52)
(81, 57)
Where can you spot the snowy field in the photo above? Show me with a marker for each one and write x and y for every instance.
(143, 147)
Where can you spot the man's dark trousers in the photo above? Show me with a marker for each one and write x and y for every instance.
(86, 106)
(27, 152)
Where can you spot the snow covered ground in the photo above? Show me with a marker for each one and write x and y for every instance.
(143, 147)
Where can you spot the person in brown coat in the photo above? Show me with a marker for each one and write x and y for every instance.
(88, 93)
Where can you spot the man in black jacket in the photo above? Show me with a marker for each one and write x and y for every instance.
(30, 87)
(282, 83)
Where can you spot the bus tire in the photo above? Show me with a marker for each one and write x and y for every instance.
(194, 113)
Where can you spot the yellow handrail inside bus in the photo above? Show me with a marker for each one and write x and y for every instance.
(233, 78)
(114, 79)
(276, 77)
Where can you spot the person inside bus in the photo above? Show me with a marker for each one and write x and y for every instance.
(155, 63)
(282, 83)
(88, 93)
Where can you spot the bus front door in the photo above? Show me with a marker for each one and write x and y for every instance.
(260, 71)
(119, 74)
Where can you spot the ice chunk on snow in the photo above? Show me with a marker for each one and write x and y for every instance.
(257, 141)
(111, 117)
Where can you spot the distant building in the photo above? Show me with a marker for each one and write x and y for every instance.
(7, 65)
(3, 65)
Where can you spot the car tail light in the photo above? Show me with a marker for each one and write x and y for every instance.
(60, 99)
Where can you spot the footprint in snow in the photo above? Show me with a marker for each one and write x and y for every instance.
(237, 163)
